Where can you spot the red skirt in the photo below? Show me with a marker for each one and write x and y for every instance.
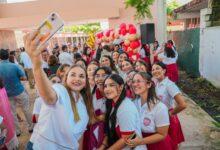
(172, 72)
(175, 131)
(165, 144)
(90, 141)
(147, 60)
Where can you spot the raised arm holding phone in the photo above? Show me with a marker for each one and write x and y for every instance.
(68, 107)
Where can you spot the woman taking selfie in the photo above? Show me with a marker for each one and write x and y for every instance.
(69, 106)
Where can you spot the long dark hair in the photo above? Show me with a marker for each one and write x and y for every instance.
(146, 50)
(151, 98)
(85, 51)
(110, 118)
(112, 65)
(155, 48)
(98, 52)
(123, 53)
(86, 95)
(107, 71)
(129, 61)
(169, 51)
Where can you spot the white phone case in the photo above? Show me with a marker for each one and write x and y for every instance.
(50, 26)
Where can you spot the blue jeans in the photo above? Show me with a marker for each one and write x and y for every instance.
(29, 146)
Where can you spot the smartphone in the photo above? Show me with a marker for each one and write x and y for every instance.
(132, 136)
(49, 27)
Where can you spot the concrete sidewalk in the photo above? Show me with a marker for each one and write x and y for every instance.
(199, 131)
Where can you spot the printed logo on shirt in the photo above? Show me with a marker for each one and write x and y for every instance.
(160, 97)
(147, 121)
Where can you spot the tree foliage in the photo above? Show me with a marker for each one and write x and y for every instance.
(171, 6)
(85, 28)
(142, 7)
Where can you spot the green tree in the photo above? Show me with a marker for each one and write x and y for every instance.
(142, 7)
(85, 28)
(171, 6)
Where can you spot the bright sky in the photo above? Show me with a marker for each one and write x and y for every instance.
(181, 1)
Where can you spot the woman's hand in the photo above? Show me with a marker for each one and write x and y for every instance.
(134, 142)
(31, 44)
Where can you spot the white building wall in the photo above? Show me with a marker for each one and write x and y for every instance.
(209, 56)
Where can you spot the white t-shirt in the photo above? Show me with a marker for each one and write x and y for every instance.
(25, 59)
(123, 75)
(37, 105)
(128, 120)
(99, 102)
(168, 60)
(142, 53)
(158, 116)
(166, 90)
(66, 58)
(56, 128)
(44, 64)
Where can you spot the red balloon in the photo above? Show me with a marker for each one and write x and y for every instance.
(122, 26)
(107, 33)
(125, 48)
(132, 30)
(123, 32)
(131, 26)
(134, 44)
(99, 35)
(138, 43)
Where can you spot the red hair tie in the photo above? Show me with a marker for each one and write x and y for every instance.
(169, 45)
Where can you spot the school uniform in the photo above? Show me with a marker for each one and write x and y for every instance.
(99, 102)
(37, 107)
(123, 75)
(128, 121)
(156, 56)
(166, 90)
(129, 92)
(143, 55)
(56, 128)
(94, 135)
(152, 118)
(171, 65)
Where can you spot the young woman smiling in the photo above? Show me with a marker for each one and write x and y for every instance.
(122, 118)
(153, 113)
(168, 93)
(69, 106)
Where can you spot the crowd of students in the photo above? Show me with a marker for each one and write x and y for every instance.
(102, 99)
